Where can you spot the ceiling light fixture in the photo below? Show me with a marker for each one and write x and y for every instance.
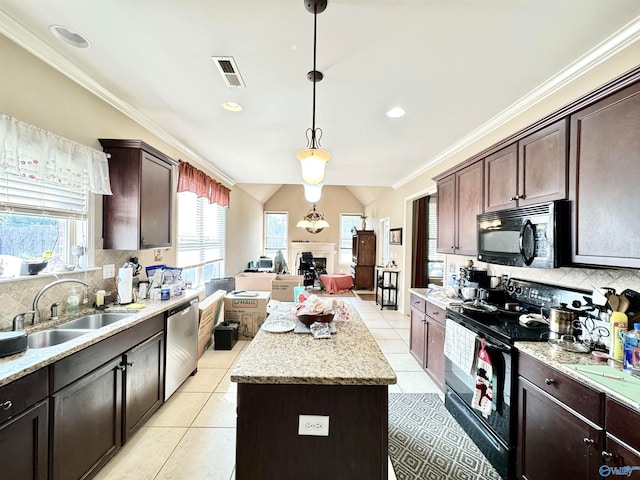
(313, 221)
(312, 158)
(396, 112)
(312, 193)
(232, 106)
(69, 37)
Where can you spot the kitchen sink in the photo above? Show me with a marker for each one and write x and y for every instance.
(49, 338)
(93, 321)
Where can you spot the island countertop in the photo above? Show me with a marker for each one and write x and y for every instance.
(350, 357)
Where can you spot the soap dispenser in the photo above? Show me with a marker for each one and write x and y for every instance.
(73, 301)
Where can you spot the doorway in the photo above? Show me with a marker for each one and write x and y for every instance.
(428, 265)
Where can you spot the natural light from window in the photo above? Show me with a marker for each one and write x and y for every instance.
(348, 221)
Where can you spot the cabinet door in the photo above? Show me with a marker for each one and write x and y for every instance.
(447, 215)
(501, 179)
(553, 442)
(603, 185)
(24, 445)
(542, 165)
(435, 352)
(417, 336)
(469, 204)
(87, 423)
(156, 192)
(144, 380)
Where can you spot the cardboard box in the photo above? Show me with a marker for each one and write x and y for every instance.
(254, 281)
(249, 310)
(211, 311)
(282, 287)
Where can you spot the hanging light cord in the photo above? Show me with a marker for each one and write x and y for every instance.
(315, 77)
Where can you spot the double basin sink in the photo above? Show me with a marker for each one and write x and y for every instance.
(72, 329)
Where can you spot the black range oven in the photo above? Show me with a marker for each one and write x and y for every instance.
(495, 434)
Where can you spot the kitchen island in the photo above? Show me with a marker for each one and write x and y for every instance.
(282, 376)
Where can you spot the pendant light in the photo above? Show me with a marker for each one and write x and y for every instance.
(312, 158)
(312, 193)
(313, 221)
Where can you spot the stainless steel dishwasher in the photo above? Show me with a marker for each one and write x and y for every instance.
(182, 345)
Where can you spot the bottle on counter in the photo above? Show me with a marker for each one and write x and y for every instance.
(631, 348)
(618, 323)
(73, 301)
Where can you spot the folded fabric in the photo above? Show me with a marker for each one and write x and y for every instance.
(460, 346)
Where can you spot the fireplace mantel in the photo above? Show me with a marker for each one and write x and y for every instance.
(318, 249)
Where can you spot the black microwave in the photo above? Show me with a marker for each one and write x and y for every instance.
(536, 236)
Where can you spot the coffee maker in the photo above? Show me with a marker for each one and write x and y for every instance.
(478, 278)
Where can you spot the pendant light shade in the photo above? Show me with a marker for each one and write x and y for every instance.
(313, 221)
(313, 159)
(312, 193)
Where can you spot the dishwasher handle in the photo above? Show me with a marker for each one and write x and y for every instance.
(182, 308)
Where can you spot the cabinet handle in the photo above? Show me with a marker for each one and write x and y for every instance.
(6, 405)
(588, 441)
(452, 247)
(513, 198)
(130, 364)
(521, 197)
(607, 456)
(549, 381)
(121, 368)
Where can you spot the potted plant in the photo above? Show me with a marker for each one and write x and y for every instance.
(363, 224)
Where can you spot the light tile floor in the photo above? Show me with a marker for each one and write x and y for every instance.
(192, 436)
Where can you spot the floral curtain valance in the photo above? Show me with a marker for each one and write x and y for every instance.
(33, 153)
(190, 179)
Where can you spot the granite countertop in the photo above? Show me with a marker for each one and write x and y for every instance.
(560, 360)
(21, 364)
(434, 295)
(350, 357)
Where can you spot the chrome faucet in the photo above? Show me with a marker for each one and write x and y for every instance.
(36, 313)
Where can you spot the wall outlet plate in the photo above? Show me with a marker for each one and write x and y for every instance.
(314, 425)
(108, 271)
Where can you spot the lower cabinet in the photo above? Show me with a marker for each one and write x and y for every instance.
(622, 447)
(87, 422)
(426, 342)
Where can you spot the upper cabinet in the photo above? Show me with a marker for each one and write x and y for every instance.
(604, 190)
(529, 171)
(459, 202)
(138, 214)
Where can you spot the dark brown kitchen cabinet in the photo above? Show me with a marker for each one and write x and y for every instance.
(560, 433)
(529, 171)
(144, 380)
(623, 437)
(460, 200)
(24, 428)
(363, 262)
(427, 338)
(138, 214)
(603, 186)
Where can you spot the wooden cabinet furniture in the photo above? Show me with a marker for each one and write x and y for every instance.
(363, 250)
(88, 406)
(24, 428)
(426, 341)
(623, 437)
(387, 288)
(138, 214)
(604, 189)
(529, 171)
(460, 200)
(560, 432)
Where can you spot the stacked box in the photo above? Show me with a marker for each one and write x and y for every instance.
(254, 281)
(282, 287)
(211, 313)
(248, 309)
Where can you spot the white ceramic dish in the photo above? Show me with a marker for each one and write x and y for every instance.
(278, 325)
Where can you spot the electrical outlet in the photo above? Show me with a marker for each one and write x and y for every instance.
(108, 271)
(315, 425)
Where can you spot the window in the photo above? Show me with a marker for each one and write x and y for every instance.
(41, 220)
(201, 238)
(276, 226)
(435, 260)
(347, 222)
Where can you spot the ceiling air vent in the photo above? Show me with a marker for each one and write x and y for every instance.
(229, 71)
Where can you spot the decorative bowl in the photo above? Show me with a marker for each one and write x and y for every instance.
(33, 268)
(310, 319)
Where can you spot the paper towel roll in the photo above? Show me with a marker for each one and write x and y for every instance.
(125, 282)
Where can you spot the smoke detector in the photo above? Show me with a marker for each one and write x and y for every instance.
(229, 71)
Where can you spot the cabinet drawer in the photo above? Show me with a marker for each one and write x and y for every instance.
(418, 303)
(622, 422)
(575, 395)
(26, 391)
(435, 312)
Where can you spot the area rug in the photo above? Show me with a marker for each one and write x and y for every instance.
(426, 443)
(366, 297)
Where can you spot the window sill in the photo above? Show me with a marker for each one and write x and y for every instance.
(63, 273)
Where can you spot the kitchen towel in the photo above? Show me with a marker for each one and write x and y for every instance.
(460, 346)
(483, 394)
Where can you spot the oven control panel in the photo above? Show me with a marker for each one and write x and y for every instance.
(545, 296)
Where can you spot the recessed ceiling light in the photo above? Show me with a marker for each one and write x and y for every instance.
(232, 106)
(69, 37)
(396, 112)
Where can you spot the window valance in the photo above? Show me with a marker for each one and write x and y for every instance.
(190, 179)
(41, 156)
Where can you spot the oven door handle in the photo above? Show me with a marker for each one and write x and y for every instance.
(499, 348)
